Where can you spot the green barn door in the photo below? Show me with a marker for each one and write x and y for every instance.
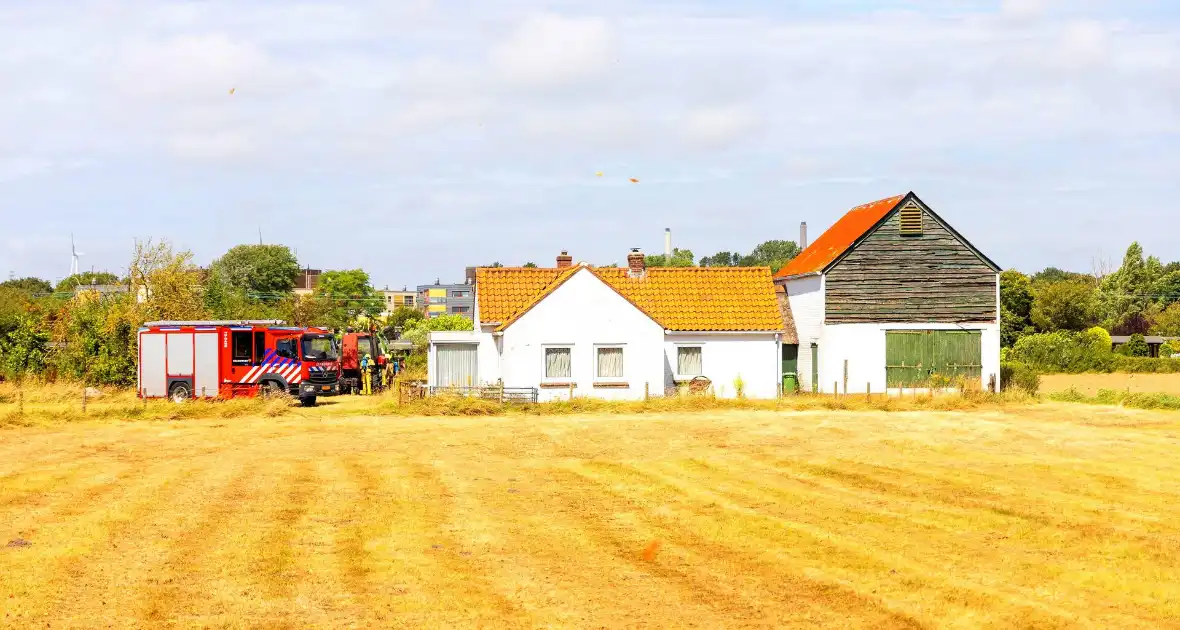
(907, 357)
(913, 357)
(957, 354)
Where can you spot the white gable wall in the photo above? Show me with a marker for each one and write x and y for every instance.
(806, 295)
(725, 356)
(583, 313)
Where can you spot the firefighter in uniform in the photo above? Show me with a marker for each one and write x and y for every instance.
(366, 375)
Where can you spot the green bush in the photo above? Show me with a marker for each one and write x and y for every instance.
(1019, 377)
(1136, 346)
(1065, 352)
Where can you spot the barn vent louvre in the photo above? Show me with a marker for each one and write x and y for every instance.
(911, 219)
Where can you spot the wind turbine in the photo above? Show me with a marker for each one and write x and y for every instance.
(74, 255)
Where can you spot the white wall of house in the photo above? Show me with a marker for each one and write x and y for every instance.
(754, 356)
(806, 296)
(863, 346)
(583, 314)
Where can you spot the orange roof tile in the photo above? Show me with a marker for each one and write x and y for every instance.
(837, 239)
(677, 298)
(503, 291)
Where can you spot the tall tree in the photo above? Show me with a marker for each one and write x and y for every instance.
(1126, 294)
(1064, 305)
(168, 282)
(680, 258)
(1053, 274)
(1167, 323)
(86, 278)
(1166, 289)
(266, 272)
(773, 254)
(348, 295)
(722, 259)
(29, 285)
(1016, 302)
(400, 319)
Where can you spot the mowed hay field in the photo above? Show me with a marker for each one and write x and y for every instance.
(1043, 516)
(1089, 384)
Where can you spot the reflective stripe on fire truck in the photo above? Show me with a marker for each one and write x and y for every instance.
(289, 369)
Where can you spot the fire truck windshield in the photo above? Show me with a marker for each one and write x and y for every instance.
(319, 348)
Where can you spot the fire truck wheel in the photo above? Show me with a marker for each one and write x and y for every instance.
(307, 401)
(271, 388)
(179, 392)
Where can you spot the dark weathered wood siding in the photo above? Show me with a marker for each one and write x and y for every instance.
(888, 277)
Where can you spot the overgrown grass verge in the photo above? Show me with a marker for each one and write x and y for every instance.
(42, 404)
(62, 403)
(1132, 400)
(461, 406)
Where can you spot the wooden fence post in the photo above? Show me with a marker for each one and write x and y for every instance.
(571, 391)
(646, 390)
(869, 392)
(836, 389)
(845, 377)
(83, 401)
(20, 401)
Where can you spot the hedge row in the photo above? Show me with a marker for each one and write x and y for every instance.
(1078, 352)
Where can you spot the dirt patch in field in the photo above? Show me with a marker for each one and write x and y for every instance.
(1089, 384)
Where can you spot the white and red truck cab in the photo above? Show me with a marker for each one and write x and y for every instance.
(228, 359)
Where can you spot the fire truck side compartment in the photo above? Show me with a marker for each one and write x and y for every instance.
(207, 377)
(153, 377)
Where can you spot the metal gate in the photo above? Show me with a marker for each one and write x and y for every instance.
(915, 358)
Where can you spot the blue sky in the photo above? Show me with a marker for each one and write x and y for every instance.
(415, 137)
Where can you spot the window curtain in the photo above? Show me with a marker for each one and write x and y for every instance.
(456, 365)
(610, 363)
(688, 362)
(557, 362)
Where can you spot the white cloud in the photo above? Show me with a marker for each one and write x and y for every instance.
(1024, 9)
(215, 145)
(551, 51)
(717, 127)
(516, 106)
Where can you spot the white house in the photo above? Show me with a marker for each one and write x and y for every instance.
(616, 333)
(892, 297)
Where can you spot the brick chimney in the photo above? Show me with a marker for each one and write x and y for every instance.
(564, 260)
(635, 265)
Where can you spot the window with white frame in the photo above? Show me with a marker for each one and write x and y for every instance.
(558, 363)
(608, 363)
(688, 361)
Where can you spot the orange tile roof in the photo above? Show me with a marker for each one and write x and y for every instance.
(677, 298)
(838, 238)
(503, 291)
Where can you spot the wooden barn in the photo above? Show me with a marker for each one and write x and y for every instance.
(891, 297)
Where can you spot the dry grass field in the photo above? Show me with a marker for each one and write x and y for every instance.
(1089, 384)
(1043, 516)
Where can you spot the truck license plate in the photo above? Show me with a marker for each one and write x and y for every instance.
(326, 388)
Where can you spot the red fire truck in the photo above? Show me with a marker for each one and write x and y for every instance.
(209, 359)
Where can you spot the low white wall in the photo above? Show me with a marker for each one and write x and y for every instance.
(806, 296)
(863, 346)
(724, 357)
(584, 313)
